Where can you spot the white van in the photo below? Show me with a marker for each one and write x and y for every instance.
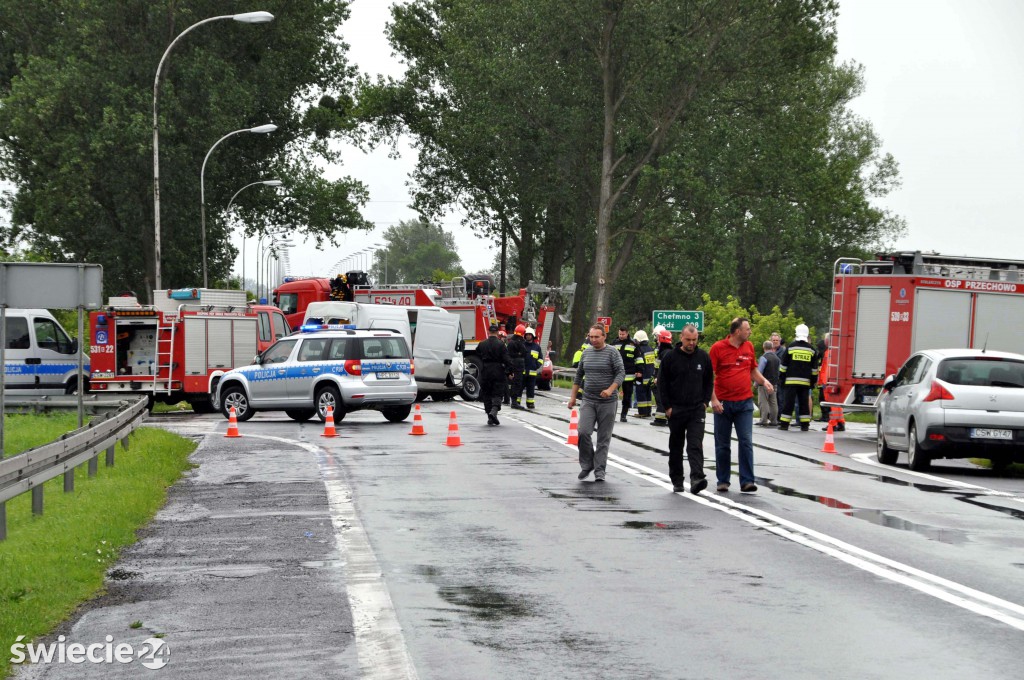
(40, 358)
(434, 334)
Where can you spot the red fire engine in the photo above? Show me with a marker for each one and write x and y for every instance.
(471, 297)
(175, 349)
(885, 310)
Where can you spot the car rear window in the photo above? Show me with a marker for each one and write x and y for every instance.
(982, 372)
(385, 348)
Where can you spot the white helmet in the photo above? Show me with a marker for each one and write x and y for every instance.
(640, 336)
(530, 331)
(657, 329)
(802, 332)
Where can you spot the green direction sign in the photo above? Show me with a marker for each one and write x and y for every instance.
(675, 319)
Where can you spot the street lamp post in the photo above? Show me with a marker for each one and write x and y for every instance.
(266, 182)
(382, 248)
(260, 129)
(245, 18)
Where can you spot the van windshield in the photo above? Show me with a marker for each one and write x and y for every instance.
(288, 302)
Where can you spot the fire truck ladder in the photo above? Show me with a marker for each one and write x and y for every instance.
(164, 357)
(843, 266)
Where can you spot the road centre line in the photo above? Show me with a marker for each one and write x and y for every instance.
(380, 646)
(972, 600)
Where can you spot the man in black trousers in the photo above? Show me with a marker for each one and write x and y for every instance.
(685, 386)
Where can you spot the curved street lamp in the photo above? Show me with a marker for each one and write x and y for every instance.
(266, 182)
(259, 129)
(245, 18)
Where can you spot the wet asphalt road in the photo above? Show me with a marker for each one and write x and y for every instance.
(379, 554)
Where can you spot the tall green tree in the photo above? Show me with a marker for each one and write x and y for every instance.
(416, 251)
(76, 91)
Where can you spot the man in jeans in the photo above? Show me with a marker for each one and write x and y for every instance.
(602, 367)
(684, 387)
(734, 364)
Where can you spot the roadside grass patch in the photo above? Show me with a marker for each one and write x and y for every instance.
(25, 431)
(51, 564)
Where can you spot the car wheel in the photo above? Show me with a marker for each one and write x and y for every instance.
(474, 368)
(396, 414)
(235, 396)
(329, 396)
(916, 458)
(300, 415)
(886, 455)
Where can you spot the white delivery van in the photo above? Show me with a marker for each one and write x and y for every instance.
(40, 358)
(434, 334)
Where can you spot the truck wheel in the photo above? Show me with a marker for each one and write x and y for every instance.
(918, 460)
(471, 375)
(202, 406)
(235, 396)
(329, 396)
(300, 415)
(886, 455)
(396, 414)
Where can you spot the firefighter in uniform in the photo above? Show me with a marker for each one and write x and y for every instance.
(664, 347)
(835, 415)
(645, 359)
(517, 352)
(496, 366)
(798, 372)
(627, 350)
(533, 364)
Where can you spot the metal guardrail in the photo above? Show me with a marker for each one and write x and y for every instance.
(93, 403)
(28, 471)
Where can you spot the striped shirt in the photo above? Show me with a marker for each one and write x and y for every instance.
(602, 367)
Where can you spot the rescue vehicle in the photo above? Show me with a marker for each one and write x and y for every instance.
(886, 309)
(176, 349)
(471, 297)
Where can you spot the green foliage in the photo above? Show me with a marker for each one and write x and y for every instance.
(416, 251)
(718, 315)
(76, 106)
(50, 565)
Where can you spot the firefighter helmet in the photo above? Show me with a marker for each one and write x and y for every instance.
(530, 331)
(665, 336)
(640, 336)
(502, 333)
(520, 329)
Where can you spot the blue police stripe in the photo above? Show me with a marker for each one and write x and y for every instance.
(40, 369)
(311, 369)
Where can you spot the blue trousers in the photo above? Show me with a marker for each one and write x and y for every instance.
(738, 414)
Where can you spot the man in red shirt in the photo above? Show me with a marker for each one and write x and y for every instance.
(735, 365)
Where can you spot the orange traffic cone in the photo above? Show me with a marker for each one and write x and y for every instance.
(574, 435)
(329, 430)
(417, 422)
(453, 432)
(232, 424)
(830, 442)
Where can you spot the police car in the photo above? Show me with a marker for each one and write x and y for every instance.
(324, 366)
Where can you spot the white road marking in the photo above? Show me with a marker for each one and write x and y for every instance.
(978, 602)
(380, 644)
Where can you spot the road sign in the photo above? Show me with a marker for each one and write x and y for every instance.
(675, 319)
(606, 321)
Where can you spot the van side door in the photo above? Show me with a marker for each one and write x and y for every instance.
(57, 355)
(434, 347)
(19, 360)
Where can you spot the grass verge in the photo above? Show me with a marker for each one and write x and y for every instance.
(51, 564)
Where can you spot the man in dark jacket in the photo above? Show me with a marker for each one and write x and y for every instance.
(517, 353)
(628, 352)
(685, 386)
(496, 368)
(766, 401)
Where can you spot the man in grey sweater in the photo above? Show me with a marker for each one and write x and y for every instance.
(602, 366)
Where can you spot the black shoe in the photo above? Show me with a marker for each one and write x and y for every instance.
(530, 407)
(492, 419)
(598, 479)
(622, 419)
(678, 488)
(749, 487)
(496, 421)
(784, 426)
(665, 453)
(698, 486)
(659, 423)
(805, 428)
(839, 428)
(584, 474)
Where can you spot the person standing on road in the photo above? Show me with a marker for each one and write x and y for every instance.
(627, 350)
(798, 372)
(517, 352)
(685, 387)
(493, 381)
(645, 361)
(766, 403)
(734, 364)
(533, 364)
(664, 347)
(602, 367)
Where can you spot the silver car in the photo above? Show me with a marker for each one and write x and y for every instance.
(953, 403)
(337, 367)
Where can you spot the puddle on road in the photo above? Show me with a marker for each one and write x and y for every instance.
(580, 500)
(480, 601)
(664, 526)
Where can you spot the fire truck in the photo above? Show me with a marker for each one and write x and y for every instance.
(176, 349)
(886, 309)
(470, 296)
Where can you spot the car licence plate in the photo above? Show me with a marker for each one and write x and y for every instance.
(388, 375)
(986, 433)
